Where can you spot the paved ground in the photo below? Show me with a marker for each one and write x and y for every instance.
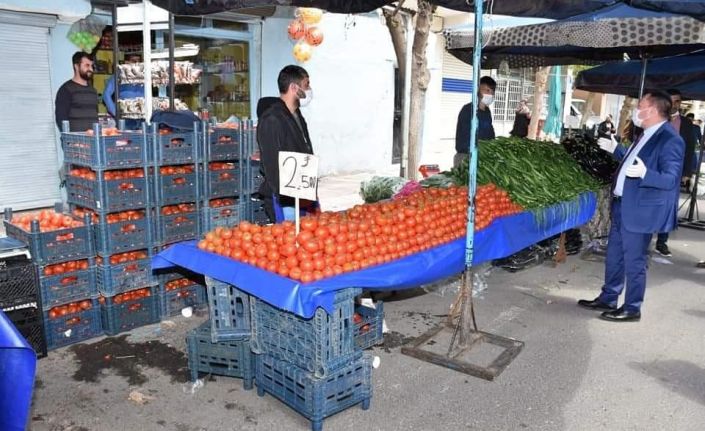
(576, 372)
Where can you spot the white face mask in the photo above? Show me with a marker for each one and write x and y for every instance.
(638, 122)
(306, 99)
(487, 99)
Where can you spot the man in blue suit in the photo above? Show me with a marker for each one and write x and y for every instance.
(645, 202)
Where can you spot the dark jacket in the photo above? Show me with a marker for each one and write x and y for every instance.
(485, 130)
(277, 130)
(689, 135)
(521, 125)
(605, 129)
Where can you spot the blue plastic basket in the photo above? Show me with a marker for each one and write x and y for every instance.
(18, 282)
(223, 144)
(171, 302)
(54, 246)
(223, 183)
(177, 227)
(312, 397)
(72, 328)
(225, 216)
(254, 178)
(227, 358)
(368, 332)
(127, 150)
(107, 195)
(229, 310)
(122, 236)
(320, 344)
(176, 188)
(128, 315)
(173, 148)
(67, 287)
(121, 277)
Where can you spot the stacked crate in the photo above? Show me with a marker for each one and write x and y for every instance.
(64, 272)
(109, 179)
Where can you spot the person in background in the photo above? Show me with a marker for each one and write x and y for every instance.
(606, 128)
(522, 118)
(485, 129)
(282, 127)
(684, 127)
(77, 100)
(645, 202)
(699, 136)
(127, 91)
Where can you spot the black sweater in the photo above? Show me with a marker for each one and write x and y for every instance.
(78, 104)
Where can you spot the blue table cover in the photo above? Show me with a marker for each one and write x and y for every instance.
(18, 364)
(504, 237)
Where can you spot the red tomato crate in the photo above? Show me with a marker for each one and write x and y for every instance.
(227, 358)
(319, 345)
(229, 310)
(190, 291)
(368, 330)
(312, 397)
(126, 149)
(178, 227)
(70, 328)
(223, 179)
(175, 188)
(224, 144)
(129, 314)
(225, 216)
(53, 246)
(173, 147)
(109, 195)
(120, 277)
(69, 286)
(124, 235)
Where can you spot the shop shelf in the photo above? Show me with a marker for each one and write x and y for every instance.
(312, 397)
(121, 277)
(72, 328)
(18, 281)
(67, 287)
(107, 195)
(27, 318)
(53, 246)
(177, 227)
(223, 182)
(229, 310)
(229, 215)
(176, 188)
(368, 331)
(131, 314)
(171, 302)
(226, 358)
(320, 344)
(173, 147)
(126, 150)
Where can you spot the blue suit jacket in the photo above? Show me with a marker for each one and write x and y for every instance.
(650, 205)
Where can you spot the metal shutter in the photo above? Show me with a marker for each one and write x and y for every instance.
(456, 92)
(28, 160)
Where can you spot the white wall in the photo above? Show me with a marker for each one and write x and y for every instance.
(352, 75)
(432, 149)
(66, 10)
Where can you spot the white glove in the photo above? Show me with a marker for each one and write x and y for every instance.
(636, 170)
(608, 145)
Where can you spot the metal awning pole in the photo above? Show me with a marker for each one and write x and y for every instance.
(172, 83)
(116, 69)
(644, 63)
(147, 58)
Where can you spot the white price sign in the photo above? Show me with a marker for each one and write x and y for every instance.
(298, 175)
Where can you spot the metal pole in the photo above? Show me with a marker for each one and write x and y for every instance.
(116, 54)
(644, 62)
(172, 83)
(147, 57)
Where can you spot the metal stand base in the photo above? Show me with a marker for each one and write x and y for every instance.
(691, 224)
(468, 338)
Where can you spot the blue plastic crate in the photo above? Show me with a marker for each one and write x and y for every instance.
(18, 281)
(256, 212)
(131, 314)
(176, 188)
(173, 147)
(126, 150)
(122, 236)
(227, 358)
(178, 227)
(226, 216)
(118, 278)
(368, 331)
(223, 144)
(107, 195)
(72, 328)
(312, 397)
(171, 302)
(229, 310)
(320, 344)
(223, 182)
(253, 177)
(67, 287)
(54, 246)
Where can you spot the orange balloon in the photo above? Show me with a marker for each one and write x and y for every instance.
(297, 29)
(302, 52)
(314, 36)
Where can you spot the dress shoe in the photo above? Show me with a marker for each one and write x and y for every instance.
(621, 315)
(596, 304)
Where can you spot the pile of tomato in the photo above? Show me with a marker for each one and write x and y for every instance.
(223, 202)
(49, 220)
(66, 267)
(118, 217)
(221, 166)
(179, 283)
(107, 131)
(129, 256)
(176, 170)
(334, 243)
(132, 295)
(72, 308)
(492, 202)
(117, 174)
(178, 209)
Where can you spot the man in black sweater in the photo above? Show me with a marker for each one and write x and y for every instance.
(77, 100)
(281, 127)
(485, 129)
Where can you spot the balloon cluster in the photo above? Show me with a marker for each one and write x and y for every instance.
(84, 40)
(304, 33)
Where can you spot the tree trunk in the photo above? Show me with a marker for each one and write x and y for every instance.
(625, 114)
(420, 78)
(587, 108)
(539, 93)
(397, 31)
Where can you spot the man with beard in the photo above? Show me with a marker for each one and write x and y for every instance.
(77, 100)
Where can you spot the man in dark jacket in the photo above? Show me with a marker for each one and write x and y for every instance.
(606, 128)
(282, 127)
(485, 129)
(76, 100)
